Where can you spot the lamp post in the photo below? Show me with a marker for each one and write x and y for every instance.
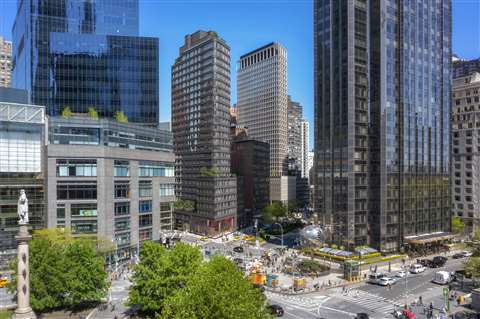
(281, 229)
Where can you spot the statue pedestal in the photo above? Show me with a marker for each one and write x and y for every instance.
(23, 311)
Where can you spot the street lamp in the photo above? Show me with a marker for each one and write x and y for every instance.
(281, 229)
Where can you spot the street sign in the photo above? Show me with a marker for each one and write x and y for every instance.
(445, 298)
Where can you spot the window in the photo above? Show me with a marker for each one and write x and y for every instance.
(145, 206)
(86, 190)
(145, 220)
(121, 168)
(84, 226)
(76, 167)
(122, 190)
(150, 169)
(83, 210)
(122, 239)
(167, 190)
(165, 206)
(145, 189)
(122, 224)
(145, 234)
(122, 208)
(61, 212)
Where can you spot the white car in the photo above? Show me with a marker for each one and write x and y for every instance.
(467, 253)
(401, 274)
(385, 281)
(417, 268)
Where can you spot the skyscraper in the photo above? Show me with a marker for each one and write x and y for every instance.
(382, 85)
(262, 101)
(86, 54)
(305, 136)
(201, 131)
(5, 62)
(294, 133)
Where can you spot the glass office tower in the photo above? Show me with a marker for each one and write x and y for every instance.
(382, 72)
(86, 53)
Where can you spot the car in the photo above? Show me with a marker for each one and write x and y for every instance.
(385, 281)
(362, 315)
(439, 261)
(238, 249)
(400, 274)
(467, 253)
(238, 260)
(375, 278)
(276, 310)
(458, 256)
(417, 268)
(442, 277)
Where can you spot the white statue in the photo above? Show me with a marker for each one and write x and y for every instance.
(22, 209)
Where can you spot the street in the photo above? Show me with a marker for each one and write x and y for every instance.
(377, 301)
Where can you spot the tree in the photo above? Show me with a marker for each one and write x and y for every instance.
(217, 291)
(92, 112)
(274, 210)
(472, 265)
(458, 225)
(64, 271)
(66, 112)
(292, 206)
(121, 117)
(160, 274)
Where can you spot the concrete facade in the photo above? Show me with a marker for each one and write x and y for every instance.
(5, 63)
(283, 188)
(466, 150)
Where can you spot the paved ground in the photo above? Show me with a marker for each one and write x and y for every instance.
(6, 299)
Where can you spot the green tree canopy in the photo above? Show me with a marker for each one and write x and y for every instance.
(274, 211)
(458, 225)
(92, 112)
(66, 112)
(121, 117)
(472, 265)
(64, 271)
(217, 291)
(161, 273)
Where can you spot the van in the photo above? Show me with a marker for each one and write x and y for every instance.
(442, 277)
(375, 278)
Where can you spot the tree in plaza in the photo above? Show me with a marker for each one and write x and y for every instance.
(275, 210)
(64, 271)
(217, 291)
(160, 274)
(458, 225)
(292, 207)
(472, 265)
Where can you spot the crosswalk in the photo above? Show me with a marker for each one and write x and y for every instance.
(309, 303)
(374, 303)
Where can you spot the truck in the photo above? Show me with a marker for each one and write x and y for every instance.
(442, 277)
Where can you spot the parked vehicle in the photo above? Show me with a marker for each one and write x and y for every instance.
(276, 310)
(417, 268)
(439, 261)
(3, 282)
(458, 255)
(467, 253)
(375, 278)
(238, 249)
(362, 315)
(401, 274)
(442, 277)
(385, 281)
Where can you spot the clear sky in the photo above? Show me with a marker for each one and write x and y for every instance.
(248, 24)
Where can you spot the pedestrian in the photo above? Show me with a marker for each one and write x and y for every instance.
(420, 301)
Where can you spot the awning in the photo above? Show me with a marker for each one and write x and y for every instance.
(429, 238)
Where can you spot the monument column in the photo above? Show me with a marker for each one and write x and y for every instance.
(23, 311)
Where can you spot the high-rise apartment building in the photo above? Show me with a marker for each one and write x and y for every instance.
(465, 150)
(262, 101)
(294, 133)
(5, 62)
(305, 136)
(201, 131)
(462, 67)
(382, 102)
(86, 54)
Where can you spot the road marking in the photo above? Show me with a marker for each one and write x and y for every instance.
(291, 314)
(335, 310)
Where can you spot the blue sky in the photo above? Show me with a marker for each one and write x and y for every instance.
(248, 24)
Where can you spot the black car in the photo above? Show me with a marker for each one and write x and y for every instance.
(439, 261)
(238, 249)
(276, 310)
(362, 315)
(238, 261)
(458, 256)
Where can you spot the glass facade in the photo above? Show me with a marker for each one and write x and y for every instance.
(82, 54)
(382, 119)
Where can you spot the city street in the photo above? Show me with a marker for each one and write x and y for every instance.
(377, 301)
